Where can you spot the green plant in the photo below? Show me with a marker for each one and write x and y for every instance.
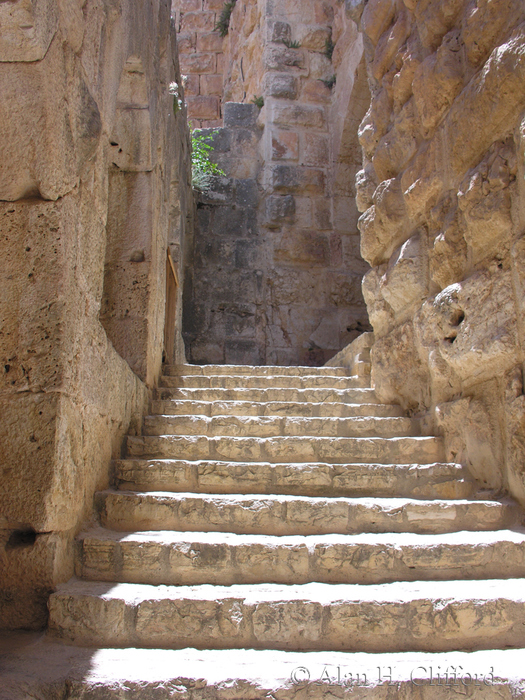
(223, 22)
(292, 44)
(259, 101)
(329, 47)
(202, 168)
(330, 82)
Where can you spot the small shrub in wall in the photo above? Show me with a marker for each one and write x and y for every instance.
(203, 170)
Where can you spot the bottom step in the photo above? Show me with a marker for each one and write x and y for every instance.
(54, 671)
(401, 616)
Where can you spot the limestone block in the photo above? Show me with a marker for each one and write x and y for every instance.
(278, 31)
(514, 413)
(473, 326)
(389, 44)
(375, 122)
(313, 38)
(380, 313)
(281, 58)
(240, 115)
(285, 145)
(209, 42)
(384, 225)
(283, 85)
(472, 434)
(485, 201)
(198, 63)
(398, 373)
(316, 91)
(298, 179)
(203, 107)
(300, 116)
(203, 21)
(131, 146)
(302, 248)
(49, 129)
(437, 82)
(315, 150)
(434, 20)
(365, 185)
(396, 148)
(376, 17)
(406, 278)
(492, 100)
(321, 68)
(483, 23)
(28, 28)
(210, 84)
(448, 252)
(280, 209)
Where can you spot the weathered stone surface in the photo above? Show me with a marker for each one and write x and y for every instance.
(264, 616)
(71, 84)
(17, 44)
(133, 672)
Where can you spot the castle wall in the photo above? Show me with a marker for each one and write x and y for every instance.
(442, 194)
(93, 189)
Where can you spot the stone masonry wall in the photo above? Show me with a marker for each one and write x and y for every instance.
(443, 195)
(93, 186)
(201, 56)
(309, 303)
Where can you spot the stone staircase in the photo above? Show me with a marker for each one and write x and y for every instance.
(285, 509)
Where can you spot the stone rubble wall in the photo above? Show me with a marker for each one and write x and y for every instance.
(442, 193)
(94, 185)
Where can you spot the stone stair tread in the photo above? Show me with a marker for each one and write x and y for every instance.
(398, 539)
(223, 674)
(274, 381)
(274, 408)
(398, 616)
(253, 370)
(278, 426)
(445, 480)
(302, 515)
(280, 449)
(354, 395)
(323, 593)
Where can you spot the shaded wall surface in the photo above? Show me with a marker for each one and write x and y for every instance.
(442, 194)
(93, 187)
(293, 295)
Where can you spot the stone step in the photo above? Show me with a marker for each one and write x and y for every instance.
(278, 426)
(284, 381)
(400, 616)
(52, 670)
(181, 558)
(420, 450)
(129, 511)
(266, 395)
(275, 408)
(252, 370)
(438, 480)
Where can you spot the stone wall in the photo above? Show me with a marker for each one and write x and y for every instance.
(443, 195)
(201, 55)
(93, 187)
(304, 247)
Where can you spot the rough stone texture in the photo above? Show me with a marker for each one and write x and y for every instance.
(89, 185)
(442, 196)
(293, 292)
(43, 669)
(273, 543)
